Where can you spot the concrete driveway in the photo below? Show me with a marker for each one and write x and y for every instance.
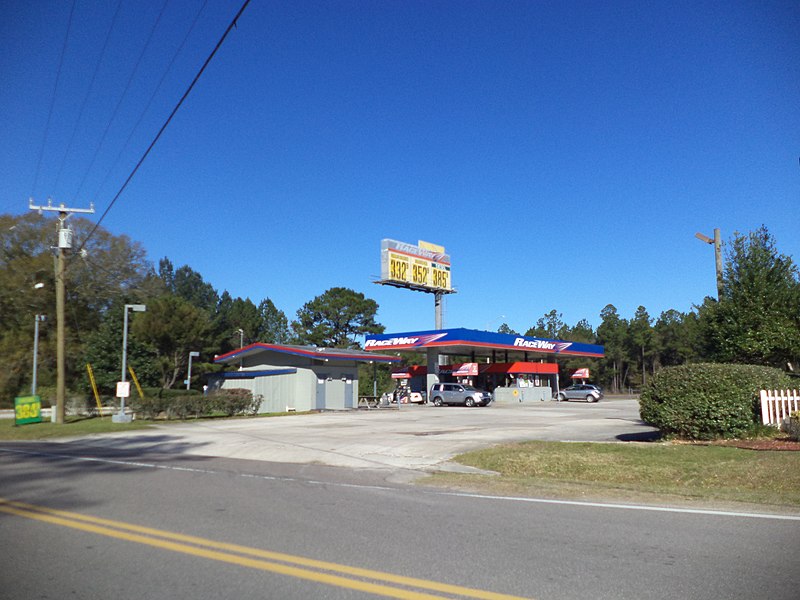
(419, 438)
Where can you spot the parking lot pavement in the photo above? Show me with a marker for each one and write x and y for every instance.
(420, 438)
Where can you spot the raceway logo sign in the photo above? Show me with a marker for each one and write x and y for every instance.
(396, 342)
(541, 345)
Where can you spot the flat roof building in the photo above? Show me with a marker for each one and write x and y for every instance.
(296, 378)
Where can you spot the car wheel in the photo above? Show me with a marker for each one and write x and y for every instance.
(437, 401)
(561, 398)
(591, 398)
(469, 402)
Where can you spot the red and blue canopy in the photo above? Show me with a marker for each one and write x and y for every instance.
(479, 343)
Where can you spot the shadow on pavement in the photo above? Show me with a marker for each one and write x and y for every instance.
(640, 436)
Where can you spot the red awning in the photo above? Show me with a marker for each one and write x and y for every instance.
(520, 368)
(409, 372)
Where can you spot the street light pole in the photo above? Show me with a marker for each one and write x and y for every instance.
(717, 243)
(121, 417)
(38, 319)
(241, 337)
(189, 374)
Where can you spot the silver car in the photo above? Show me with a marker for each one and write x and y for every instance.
(583, 391)
(458, 393)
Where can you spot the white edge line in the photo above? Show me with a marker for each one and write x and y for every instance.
(694, 511)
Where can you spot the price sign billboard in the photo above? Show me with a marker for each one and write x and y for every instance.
(425, 266)
(27, 409)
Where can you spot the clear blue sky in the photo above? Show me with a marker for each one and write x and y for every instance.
(564, 153)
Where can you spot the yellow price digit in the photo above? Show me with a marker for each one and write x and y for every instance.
(420, 274)
(29, 410)
(440, 277)
(398, 269)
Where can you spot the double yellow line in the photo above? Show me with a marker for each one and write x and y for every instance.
(354, 578)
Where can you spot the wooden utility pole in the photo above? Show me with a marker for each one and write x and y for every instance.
(64, 244)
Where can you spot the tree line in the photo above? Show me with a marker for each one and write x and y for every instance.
(756, 320)
(184, 313)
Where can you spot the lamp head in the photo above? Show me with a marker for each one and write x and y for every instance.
(703, 238)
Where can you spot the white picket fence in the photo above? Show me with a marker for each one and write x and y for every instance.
(777, 405)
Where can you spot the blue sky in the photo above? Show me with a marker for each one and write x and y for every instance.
(564, 153)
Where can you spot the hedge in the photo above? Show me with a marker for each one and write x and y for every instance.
(706, 401)
(182, 404)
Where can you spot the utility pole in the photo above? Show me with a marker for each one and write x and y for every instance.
(64, 244)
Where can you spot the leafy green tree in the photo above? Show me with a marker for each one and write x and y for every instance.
(274, 326)
(379, 373)
(108, 268)
(104, 353)
(757, 317)
(549, 326)
(612, 333)
(581, 332)
(225, 337)
(188, 284)
(674, 338)
(504, 328)
(173, 327)
(245, 315)
(336, 318)
(641, 339)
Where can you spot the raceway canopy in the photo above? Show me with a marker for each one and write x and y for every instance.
(478, 343)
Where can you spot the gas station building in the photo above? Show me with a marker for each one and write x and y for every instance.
(513, 367)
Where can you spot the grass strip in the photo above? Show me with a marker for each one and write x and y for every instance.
(632, 471)
(72, 426)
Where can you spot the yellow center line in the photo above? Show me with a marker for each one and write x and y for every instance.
(221, 551)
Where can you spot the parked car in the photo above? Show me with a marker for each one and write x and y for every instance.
(407, 396)
(458, 393)
(583, 391)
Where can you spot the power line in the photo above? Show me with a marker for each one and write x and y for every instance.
(150, 101)
(121, 98)
(88, 93)
(53, 100)
(166, 123)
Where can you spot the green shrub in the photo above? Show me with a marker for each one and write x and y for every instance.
(235, 402)
(189, 404)
(706, 401)
(178, 403)
(149, 407)
(184, 404)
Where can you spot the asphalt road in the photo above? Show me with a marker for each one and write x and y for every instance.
(317, 507)
(311, 531)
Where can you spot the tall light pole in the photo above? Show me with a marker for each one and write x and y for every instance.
(189, 374)
(39, 319)
(241, 337)
(123, 389)
(717, 243)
